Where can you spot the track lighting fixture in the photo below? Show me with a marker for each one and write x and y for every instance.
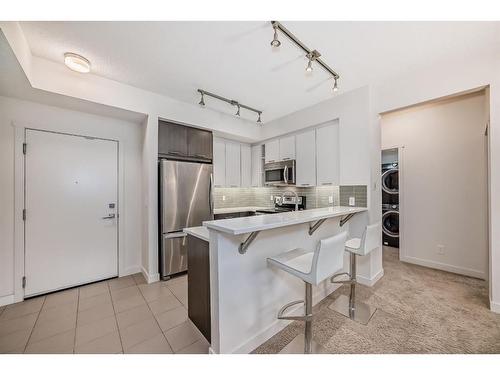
(230, 101)
(309, 68)
(275, 42)
(312, 55)
(335, 86)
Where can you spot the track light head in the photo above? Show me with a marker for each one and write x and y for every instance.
(309, 67)
(238, 111)
(335, 86)
(258, 120)
(202, 101)
(275, 42)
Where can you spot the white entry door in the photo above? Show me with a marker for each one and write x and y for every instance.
(71, 190)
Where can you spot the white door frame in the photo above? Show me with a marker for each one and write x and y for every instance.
(19, 191)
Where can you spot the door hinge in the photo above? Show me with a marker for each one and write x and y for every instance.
(24, 214)
(24, 282)
(25, 145)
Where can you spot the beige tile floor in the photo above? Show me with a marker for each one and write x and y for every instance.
(123, 315)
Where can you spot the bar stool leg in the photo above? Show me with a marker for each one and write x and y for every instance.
(308, 329)
(304, 343)
(347, 306)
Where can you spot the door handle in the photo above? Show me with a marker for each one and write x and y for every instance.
(285, 174)
(110, 216)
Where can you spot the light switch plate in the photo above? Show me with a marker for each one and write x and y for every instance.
(272, 198)
(330, 199)
(352, 201)
(223, 197)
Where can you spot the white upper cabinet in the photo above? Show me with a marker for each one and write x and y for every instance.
(256, 166)
(306, 159)
(287, 148)
(327, 155)
(272, 149)
(233, 154)
(219, 160)
(246, 165)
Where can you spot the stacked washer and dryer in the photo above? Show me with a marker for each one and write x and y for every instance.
(390, 204)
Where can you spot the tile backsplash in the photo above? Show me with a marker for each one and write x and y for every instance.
(316, 197)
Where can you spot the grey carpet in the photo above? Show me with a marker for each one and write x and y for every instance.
(419, 310)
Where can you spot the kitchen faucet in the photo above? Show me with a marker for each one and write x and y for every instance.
(296, 198)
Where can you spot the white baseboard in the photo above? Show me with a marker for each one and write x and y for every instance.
(321, 293)
(495, 306)
(7, 300)
(150, 278)
(445, 267)
(131, 271)
(370, 281)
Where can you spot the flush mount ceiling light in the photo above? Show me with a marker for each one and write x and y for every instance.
(230, 101)
(76, 62)
(312, 55)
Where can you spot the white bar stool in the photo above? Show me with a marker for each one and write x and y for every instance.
(312, 267)
(347, 306)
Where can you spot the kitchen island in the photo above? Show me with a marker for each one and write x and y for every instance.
(245, 293)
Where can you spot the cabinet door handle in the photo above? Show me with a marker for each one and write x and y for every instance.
(286, 159)
(327, 183)
(305, 184)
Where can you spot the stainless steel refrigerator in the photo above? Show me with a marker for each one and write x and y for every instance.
(185, 201)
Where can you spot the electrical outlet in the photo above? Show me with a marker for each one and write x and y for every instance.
(330, 199)
(440, 249)
(272, 198)
(352, 201)
(223, 197)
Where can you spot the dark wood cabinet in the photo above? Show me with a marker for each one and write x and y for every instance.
(183, 142)
(199, 143)
(172, 139)
(199, 285)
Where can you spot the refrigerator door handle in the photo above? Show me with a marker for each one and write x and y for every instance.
(210, 194)
(175, 235)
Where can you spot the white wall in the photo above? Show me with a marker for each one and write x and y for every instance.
(445, 80)
(443, 181)
(39, 116)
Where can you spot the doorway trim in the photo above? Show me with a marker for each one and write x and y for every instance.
(19, 196)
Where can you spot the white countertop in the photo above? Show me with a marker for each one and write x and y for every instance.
(248, 224)
(200, 232)
(231, 210)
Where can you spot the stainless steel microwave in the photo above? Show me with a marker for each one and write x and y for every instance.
(280, 173)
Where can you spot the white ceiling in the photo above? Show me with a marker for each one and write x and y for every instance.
(235, 59)
(13, 83)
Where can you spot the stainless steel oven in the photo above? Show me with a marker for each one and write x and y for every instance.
(280, 173)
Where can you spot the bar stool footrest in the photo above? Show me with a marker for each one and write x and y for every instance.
(281, 313)
(349, 281)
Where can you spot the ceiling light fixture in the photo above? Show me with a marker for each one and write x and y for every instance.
(76, 62)
(202, 101)
(275, 42)
(230, 101)
(312, 55)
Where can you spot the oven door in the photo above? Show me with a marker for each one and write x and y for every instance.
(282, 173)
